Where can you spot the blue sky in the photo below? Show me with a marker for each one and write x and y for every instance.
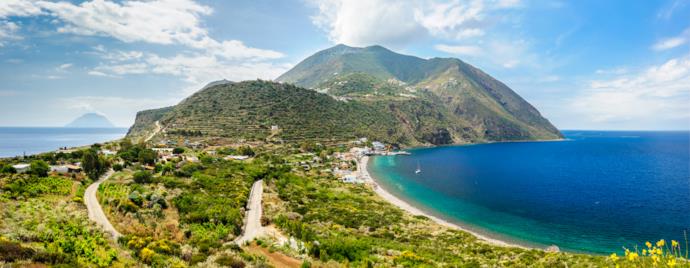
(584, 64)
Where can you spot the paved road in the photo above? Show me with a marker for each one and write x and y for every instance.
(95, 211)
(252, 224)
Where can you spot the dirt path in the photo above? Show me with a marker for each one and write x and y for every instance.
(158, 129)
(276, 259)
(96, 213)
(252, 225)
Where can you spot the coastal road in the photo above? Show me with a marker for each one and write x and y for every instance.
(96, 213)
(252, 224)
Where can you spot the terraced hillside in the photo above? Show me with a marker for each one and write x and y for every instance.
(248, 110)
(357, 92)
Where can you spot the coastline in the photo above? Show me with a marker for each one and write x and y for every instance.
(362, 167)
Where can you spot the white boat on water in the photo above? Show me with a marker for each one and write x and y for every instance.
(418, 170)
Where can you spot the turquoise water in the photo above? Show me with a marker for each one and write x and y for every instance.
(596, 192)
(16, 141)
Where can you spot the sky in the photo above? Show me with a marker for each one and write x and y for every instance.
(588, 64)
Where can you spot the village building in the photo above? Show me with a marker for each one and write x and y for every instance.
(22, 168)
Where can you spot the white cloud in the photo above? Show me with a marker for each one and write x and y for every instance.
(672, 42)
(669, 43)
(165, 22)
(196, 69)
(658, 94)
(7, 31)
(460, 50)
(161, 22)
(10, 8)
(451, 18)
(617, 71)
(64, 67)
(367, 22)
(97, 73)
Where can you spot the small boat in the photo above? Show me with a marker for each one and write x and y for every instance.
(419, 170)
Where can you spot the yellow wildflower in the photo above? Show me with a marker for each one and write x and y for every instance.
(661, 243)
(614, 257)
(633, 256)
(655, 259)
(649, 245)
(674, 243)
(671, 262)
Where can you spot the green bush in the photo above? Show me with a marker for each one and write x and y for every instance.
(118, 167)
(39, 168)
(142, 177)
(7, 169)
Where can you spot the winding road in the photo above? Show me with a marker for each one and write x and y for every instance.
(252, 225)
(96, 213)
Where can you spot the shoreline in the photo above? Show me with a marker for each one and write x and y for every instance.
(362, 168)
(481, 143)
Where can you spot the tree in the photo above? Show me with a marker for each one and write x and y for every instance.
(7, 168)
(147, 156)
(168, 168)
(39, 168)
(142, 177)
(94, 165)
(178, 150)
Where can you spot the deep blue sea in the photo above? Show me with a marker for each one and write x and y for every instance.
(596, 192)
(16, 141)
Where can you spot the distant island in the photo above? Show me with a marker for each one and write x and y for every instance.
(91, 120)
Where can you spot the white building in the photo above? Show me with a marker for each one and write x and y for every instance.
(59, 169)
(21, 168)
(378, 146)
(108, 152)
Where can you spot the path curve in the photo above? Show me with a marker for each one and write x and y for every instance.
(96, 213)
(252, 224)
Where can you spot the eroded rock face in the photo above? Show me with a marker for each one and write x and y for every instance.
(440, 137)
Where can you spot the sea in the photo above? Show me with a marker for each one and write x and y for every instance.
(595, 192)
(18, 141)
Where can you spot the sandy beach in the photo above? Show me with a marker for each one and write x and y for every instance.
(364, 174)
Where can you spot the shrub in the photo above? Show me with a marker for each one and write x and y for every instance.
(118, 167)
(39, 168)
(230, 261)
(178, 150)
(146, 255)
(142, 177)
(136, 198)
(7, 169)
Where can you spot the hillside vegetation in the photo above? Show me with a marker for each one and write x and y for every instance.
(344, 92)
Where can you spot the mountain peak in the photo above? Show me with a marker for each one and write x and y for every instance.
(91, 120)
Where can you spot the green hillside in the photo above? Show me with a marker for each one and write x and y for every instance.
(358, 92)
(489, 106)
